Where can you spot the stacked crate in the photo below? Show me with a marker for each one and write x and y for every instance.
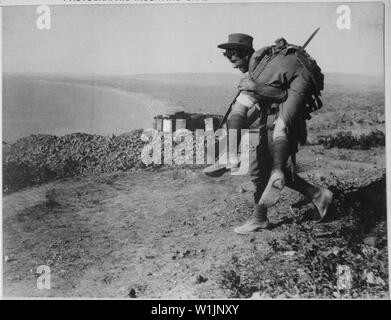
(190, 121)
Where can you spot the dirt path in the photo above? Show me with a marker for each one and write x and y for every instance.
(158, 234)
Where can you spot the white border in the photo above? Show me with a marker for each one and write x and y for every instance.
(146, 2)
(1, 151)
(387, 105)
(387, 79)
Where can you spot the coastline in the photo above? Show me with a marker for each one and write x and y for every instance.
(105, 110)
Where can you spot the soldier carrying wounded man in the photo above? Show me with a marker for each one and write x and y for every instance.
(282, 83)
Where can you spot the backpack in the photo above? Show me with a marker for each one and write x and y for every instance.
(314, 102)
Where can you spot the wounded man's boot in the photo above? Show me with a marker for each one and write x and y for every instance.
(272, 193)
(257, 222)
(322, 199)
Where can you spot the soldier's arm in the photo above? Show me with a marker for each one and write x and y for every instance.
(271, 80)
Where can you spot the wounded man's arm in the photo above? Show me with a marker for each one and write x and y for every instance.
(270, 92)
(263, 91)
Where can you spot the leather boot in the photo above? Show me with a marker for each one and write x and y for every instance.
(236, 121)
(273, 189)
(280, 152)
(320, 197)
(257, 222)
(322, 200)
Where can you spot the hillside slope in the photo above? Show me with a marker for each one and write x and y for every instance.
(168, 233)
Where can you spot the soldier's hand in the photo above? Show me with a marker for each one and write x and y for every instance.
(246, 84)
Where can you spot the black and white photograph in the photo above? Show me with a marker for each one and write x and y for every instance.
(194, 150)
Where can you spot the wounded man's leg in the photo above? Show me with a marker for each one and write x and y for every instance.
(281, 150)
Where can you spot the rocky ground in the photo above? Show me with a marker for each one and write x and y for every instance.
(168, 233)
(108, 226)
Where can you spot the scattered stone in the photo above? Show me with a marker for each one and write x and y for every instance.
(335, 251)
(6, 258)
(371, 279)
(260, 296)
(201, 279)
(107, 280)
(301, 272)
(164, 212)
(186, 253)
(132, 293)
(344, 277)
(289, 253)
(41, 158)
(368, 251)
(323, 234)
(347, 140)
(371, 241)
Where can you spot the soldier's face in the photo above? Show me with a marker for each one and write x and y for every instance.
(238, 59)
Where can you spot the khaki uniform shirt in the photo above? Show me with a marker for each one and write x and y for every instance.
(282, 84)
(274, 70)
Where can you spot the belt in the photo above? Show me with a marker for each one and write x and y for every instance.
(273, 109)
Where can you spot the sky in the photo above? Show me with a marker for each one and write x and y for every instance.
(174, 38)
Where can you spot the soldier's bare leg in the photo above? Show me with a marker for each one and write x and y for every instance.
(259, 167)
(236, 121)
(259, 219)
